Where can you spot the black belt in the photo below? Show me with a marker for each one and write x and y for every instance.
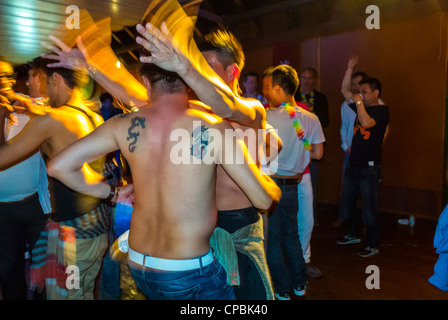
(232, 220)
(280, 181)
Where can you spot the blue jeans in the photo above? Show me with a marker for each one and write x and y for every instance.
(361, 181)
(205, 283)
(283, 236)
(110, 272)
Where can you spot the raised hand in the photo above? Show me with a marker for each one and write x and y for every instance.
(69, 58)
(352, 62)
(164, 50)
(25, 104)
(5, 105)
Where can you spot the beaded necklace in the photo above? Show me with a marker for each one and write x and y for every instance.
(293, 114)
(311, 101)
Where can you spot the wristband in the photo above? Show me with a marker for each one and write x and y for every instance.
(91, 70)
(111, 193)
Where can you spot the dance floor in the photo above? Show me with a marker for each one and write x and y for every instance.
(405, 262)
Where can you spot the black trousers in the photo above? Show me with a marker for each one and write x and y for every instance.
(20, 223)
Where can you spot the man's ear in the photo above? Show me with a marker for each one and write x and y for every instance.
(277, 89)
(233, 72)
(38, 80)
(147, 85)
(57, 79)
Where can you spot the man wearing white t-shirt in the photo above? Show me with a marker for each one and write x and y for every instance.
(302, 138)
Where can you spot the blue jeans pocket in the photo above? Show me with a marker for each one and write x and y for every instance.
(191, 293)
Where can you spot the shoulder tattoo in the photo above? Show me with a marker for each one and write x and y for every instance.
(135, 122)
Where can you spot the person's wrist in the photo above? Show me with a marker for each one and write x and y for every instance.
(91, 70)
(116, 195)
(111, 195)
(357, 98)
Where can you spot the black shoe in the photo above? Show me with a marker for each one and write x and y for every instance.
(348, 239)
(367, 252)
(313, 271)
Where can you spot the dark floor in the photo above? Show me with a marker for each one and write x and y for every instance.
(405, 262)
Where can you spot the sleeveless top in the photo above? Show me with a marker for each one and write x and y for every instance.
(67, 203)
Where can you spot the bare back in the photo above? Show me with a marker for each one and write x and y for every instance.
(175, 212)
(229, 195)
(67, 126)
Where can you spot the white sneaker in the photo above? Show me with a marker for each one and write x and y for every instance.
(300, 291)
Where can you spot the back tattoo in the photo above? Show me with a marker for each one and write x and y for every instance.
(135, 122)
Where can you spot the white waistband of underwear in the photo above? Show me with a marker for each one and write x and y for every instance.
(170, 265)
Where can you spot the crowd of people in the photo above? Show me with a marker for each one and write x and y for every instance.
(222, 185)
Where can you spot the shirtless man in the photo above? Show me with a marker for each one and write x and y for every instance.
(67, 121)
(169, 230)
(216, 84)
(214, 78)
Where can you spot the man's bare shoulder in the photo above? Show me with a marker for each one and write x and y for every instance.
(124, 117)
(50, 118)
(209, 119)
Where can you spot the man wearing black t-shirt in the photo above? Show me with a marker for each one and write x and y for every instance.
(364, 169)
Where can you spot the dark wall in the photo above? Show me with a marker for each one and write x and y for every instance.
(409, 58)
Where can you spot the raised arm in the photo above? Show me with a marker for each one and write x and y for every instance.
(364, 119)
(183, 57)
(346, 88)
(118, 81)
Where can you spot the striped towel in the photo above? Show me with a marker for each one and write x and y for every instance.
(55, 250)
(52, 253)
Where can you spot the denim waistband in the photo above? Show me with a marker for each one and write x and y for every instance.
(169, 264)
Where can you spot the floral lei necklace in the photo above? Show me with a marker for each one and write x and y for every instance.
(311, 101)
(293, 114)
